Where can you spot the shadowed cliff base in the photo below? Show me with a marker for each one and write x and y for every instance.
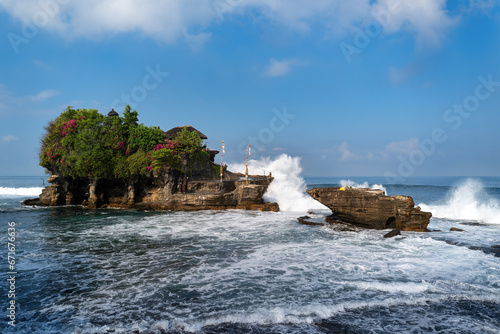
(165, 189)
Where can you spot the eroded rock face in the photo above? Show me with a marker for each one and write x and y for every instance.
(160, 190)
(372, 208)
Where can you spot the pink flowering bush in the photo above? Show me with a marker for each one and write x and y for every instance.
(86, 144)
(68, 127)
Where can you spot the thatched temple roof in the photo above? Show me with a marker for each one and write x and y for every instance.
(112, 113)
(170, 134)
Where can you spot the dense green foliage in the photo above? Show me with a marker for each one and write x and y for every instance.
(86, 144)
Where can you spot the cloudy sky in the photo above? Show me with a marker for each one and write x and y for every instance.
(387, 87)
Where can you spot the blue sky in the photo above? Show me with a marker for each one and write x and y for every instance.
(392, 87)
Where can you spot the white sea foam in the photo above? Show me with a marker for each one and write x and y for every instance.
(288, 187)
(32, 191)
(468, 201)
(394, 287)
(361, 185)
(253, 268)
(307, 313)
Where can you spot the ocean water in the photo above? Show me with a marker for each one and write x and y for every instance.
(120, 271)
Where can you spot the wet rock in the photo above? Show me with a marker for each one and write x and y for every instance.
(32, 201)
(306, 220)
(454, 229)
(372, 208)
(392, 233)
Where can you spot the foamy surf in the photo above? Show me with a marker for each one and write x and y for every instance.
(469, 201)
(288, 188)
(31, 191)
(353, 184)
(245, 271)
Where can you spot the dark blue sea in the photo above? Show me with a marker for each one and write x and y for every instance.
(119, 271)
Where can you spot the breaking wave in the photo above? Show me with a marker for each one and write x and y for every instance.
(361, 185)
(32, 191)
(469, 201)
(288, 188)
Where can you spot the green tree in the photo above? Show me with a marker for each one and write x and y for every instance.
(82, 143)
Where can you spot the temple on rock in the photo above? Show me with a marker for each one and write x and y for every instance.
(102, 161)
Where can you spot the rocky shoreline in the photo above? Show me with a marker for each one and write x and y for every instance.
(165, 189)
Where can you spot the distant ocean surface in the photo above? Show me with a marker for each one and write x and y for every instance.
(119, 271)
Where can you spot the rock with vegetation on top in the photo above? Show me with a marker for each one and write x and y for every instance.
(112, 161)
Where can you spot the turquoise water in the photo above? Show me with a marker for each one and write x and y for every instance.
(119, 271)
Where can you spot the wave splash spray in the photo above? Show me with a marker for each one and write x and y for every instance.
(33, 191)
(468, 201)
(288, 187)
(353, 184)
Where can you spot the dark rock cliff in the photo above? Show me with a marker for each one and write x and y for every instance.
(165, 189)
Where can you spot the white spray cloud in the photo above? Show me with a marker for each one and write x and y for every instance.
(353, 184)
(288, 188)
(7, 191)
(468, 201)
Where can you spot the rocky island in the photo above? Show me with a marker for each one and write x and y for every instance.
(113, 162)
(371, 208)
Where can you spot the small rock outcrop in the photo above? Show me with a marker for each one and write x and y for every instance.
(372, 208)
(392, 233)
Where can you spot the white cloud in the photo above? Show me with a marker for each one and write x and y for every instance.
(196, 42)
(43, 95)
(9, 138)
(40, 64)
(97, 19)
(31, 104)
(428, 19)
(398, 75)
(346, 154)
(279, 68)
(482, 5)
(174, 20)
(403, 147)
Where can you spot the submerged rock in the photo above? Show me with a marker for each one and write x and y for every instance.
(306, 220)
(32, 201)
(371, 208)
(454, 229)
(392, 233)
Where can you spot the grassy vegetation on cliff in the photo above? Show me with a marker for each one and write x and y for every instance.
(82, 143)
